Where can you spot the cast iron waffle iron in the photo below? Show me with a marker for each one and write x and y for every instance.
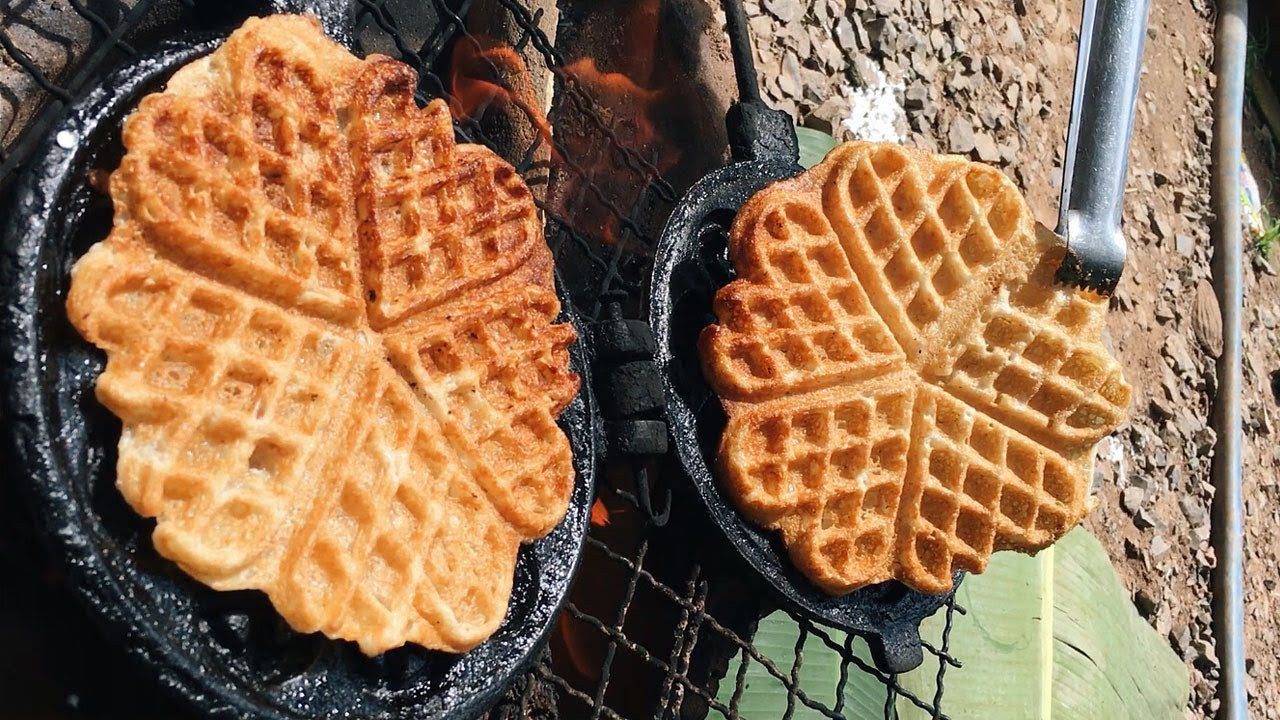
(228, 654)
(690, 265)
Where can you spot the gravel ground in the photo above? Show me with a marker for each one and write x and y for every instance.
(992, 80)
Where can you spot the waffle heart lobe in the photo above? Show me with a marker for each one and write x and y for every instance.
(332, 387)
(907, 390)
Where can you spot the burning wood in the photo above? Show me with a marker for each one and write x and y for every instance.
(492, 86)
(500, 79)
(640, 110)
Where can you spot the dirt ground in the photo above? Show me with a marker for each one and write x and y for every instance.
(993, 80)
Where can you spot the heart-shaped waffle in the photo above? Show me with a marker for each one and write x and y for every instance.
(907, 389)
(330, 339)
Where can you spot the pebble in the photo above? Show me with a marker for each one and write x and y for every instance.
(1144, 602)
(986, 148)
(845, 35)
(916, 97)
(1159, 546)
(960, 138)
(1131, 499)
(788, 11)
(1206, 319)
(1193, 509)
(1176, 350)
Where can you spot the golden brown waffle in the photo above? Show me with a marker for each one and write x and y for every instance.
(330, 340)
(907, 389)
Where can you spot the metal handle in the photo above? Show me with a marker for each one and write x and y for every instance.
(756, 131)
(1112, 33)
(744, 63)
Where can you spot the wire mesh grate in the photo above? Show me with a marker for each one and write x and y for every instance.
(662, 619)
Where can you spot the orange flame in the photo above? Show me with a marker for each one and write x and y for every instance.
(486, 74)
(617, 154)
(609, 147)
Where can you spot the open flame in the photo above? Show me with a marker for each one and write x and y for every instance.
(599, 513)
(609, 146)
(615, 131)
(617, 146)
(487, 76)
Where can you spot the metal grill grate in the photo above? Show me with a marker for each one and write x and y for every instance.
(661, 620)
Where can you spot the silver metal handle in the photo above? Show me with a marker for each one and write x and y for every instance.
(1112, 34)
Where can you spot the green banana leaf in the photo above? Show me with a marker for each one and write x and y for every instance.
(1054, 636)
(814, 145)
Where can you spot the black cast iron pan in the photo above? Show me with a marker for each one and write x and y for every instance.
(228, 654)
(690, 265)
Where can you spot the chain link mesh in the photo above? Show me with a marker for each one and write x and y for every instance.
(661, 619)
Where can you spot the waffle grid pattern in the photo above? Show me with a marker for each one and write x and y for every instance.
(439, 220)
(829, 477)
(806, 322)
(980, 488)
(953, 275)
(399, 496)
(1022, 367)
(501, 412)
(268, 202)
(928, 237)
(307, 470)
(224, 400)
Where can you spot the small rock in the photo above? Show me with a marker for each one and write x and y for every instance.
(821, 123)
(1180, 639)
(1193, 509)
(1188, 424)
(1202, 534)
(1185, 244)
(865, 70)
(800, 40)
(1268, 318)
(986, 148)
(916, 96)
(1159, 458)
(1131, 550)
(1163, 620)
(960, 137)
(1159, 224)
(882, 35)
(938, 41)
(845, 35)
(1159, 546)
(1131, 499)
(936, 8)
(1206, 319)
(1205, 438)
(1144, 602)
(789, 80)
(788, 11)
(1012, 32)
(1144, 519)
(1206, 655)
(1009, 151)
(1176, 350)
